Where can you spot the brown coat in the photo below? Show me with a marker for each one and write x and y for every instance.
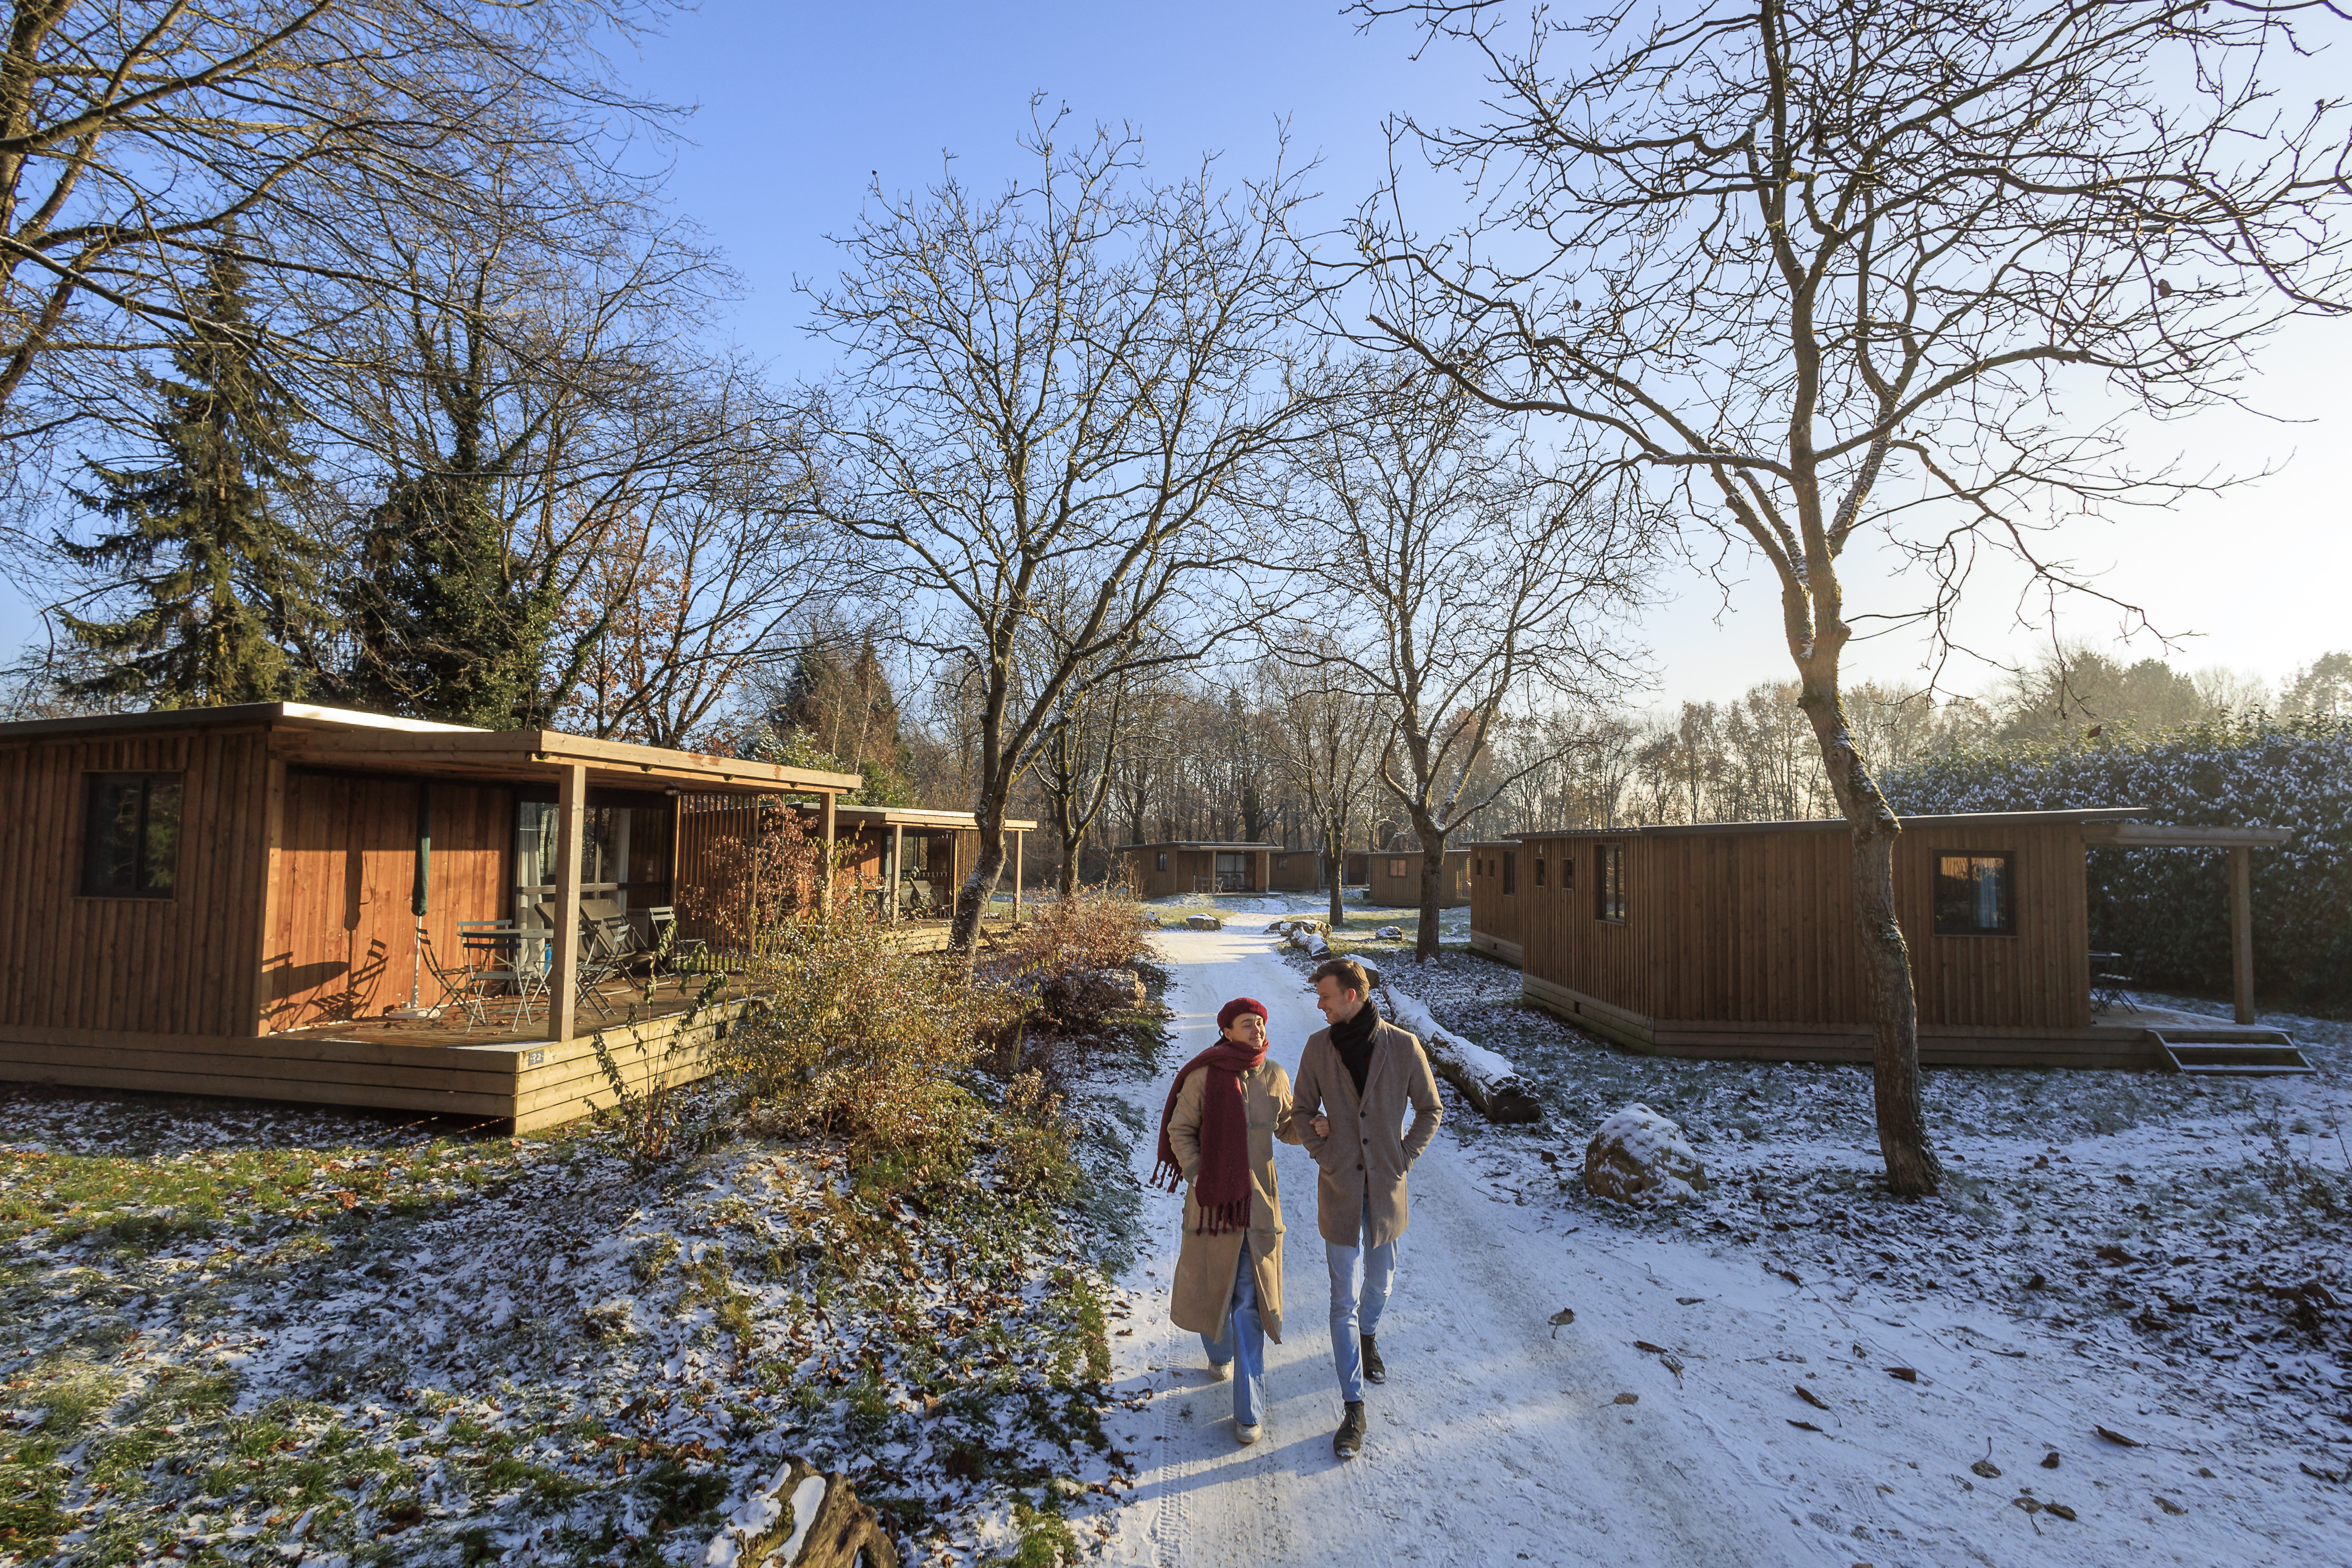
(1366, 1144)
(1201, 1298)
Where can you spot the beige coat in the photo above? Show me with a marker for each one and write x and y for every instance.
(1201, 1298)
(1366, 1145)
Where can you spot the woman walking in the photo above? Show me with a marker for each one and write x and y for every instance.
(1224, 1111)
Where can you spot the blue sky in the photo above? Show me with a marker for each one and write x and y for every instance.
(797, 107)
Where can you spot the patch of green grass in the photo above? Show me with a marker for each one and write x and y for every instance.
(1047, 1539)
(654, 1256)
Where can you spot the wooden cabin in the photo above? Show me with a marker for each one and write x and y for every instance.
(1295, 872)
(933, 852)
(1735, 940)
(1495, 896)
(1395, 878)
(1160, 870)
(224, 900)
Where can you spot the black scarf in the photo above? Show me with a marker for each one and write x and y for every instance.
(1352, 1039)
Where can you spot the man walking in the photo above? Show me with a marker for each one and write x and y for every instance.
(1355, 1078)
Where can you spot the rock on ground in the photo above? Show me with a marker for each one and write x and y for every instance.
(1637, 1151)
(1204, 922)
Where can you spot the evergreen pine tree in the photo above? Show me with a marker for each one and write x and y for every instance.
(223, 593)
(449, 623)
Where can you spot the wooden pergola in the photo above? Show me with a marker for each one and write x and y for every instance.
(2241, 842)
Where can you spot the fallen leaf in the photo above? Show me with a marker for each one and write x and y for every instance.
(2167, 1505)
(1561, 1319)
(1907, 1374)
(2112, 1253)
(1804, 1427)
(2119, 1438)
(2335, 1476)
(1788, 1276)
(2050, 1460)
(1627, 1399)
(1646, 1345)
(2030, 1505)
(1126, 1333)
(1987, 1468)
(2059, 1509)
(1810, 1397)
(1688, 1301)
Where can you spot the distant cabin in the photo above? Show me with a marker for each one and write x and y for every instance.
(1395, 878)
(1494, 897)
(1356, 868)
(910, 860)
(1159, 870)
(1737, 940)
(225, 900)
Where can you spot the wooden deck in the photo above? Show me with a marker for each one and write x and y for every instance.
(2117, 1040)
(510, 1076)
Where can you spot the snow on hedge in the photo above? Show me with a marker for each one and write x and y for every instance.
(2168, 911)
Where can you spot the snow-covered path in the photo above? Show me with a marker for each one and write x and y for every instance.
(1495, 1441)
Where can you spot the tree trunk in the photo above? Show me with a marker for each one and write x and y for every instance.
(1432, 867)
(1073, 844)
(1912, 1169)
(971, 898)
(1334, 862)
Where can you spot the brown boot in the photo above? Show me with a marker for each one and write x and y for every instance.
(1348, 1441)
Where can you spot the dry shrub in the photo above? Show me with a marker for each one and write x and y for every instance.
(758, 879)
(1094, 928)
(1035, 1140)
(853, 1038)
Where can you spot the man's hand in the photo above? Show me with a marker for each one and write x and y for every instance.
(1322, 1125)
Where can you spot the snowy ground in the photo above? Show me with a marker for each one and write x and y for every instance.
(2187, 1240)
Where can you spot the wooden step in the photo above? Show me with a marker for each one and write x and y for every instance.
(2235, 1052)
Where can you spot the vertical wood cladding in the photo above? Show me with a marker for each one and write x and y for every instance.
(1756, 927)
(1404, 892)
(1494, 912)
(182, 965)
(343, 938)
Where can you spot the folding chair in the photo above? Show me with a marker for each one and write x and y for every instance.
(455, 980)
(669, 948)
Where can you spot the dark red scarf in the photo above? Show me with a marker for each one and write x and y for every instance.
(1224, 1190)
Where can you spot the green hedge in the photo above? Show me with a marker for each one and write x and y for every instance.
(2169, 909)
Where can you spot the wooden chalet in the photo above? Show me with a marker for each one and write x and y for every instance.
(1395, 878)
(911, 859)
(1159, 870)
(226, 900)
(1356, 868)
(1495, 899)
(1735, 940)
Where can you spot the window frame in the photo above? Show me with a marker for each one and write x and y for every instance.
(1538, 865)
(1567, 868)
(1397, 866)
(2006, 893)
(1510, 874)
(1609, 866)
(145, 889)
(1163, 859)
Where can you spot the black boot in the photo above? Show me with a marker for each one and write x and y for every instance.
(1375, 1369)
(1348, 1440)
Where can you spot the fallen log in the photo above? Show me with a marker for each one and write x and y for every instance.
(1486, 1081)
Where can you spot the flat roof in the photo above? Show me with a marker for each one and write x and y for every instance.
(919, 817)
(1835, 823)
(1207, 844)
(308, 735)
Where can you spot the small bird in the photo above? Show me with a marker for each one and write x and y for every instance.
(1561, 1319)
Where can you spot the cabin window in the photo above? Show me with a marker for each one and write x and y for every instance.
(1567, 870)
(130, 844)
(1609, 882)
(1540, 871)
(1510, 872)
(1163, 859)
(1975, 895)
(1396, 868)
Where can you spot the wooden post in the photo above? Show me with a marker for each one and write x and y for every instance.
(563, 956)
(1266, 871)
(1016, 877)
(824, 887)
(2242, 929)
(897, 858)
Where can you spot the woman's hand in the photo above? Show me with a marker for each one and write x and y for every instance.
(1322, 1125)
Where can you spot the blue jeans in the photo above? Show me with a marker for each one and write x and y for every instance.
(1244, 1345)
(1360, 1280)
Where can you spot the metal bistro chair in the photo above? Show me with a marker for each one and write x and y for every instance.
(2111, 982)
(605, 947)
(455, 980)
(508, 964)
(671, 950)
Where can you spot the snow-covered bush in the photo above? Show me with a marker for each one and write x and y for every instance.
(2168, 911)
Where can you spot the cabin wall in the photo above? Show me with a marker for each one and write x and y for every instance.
(1495, 924)
(342, 943)
(1758, 928)
(1404, 892)
(1294, 871)
(182, 965)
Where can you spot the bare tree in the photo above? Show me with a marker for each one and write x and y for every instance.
(1328, 740)
(1829, 267)
(134, 133)
(1065, 384)
(1458, 583)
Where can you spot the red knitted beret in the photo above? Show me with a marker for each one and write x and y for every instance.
(1235, 1008)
